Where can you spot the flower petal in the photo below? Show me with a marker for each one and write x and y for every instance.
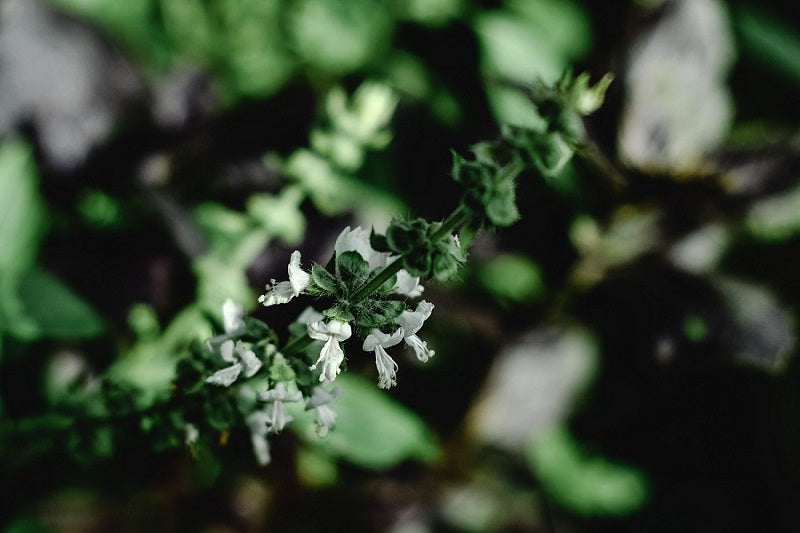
(226, 350)
(408, 285)
(280, 393)
(298, 278)
(309, 315)
(387, 368)
(420, 348)
(226, 376)
(377, 338)
(249, 360)
(412, 321)
(279, 293)
(277, 417)
(232, 317)
(331, 357)
(321, 331)
(320, 396)
(355, 240)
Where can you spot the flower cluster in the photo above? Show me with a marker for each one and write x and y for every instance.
(368, 290)
(262, 407)
(380, 317)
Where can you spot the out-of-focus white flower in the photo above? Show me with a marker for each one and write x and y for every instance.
(411, 322)
(257, 423)
(191, 435)
(280, 293)
(331, 355)
(309, 315)
(277, 416)
(241, 359)
(378, 341)
(320, 401)
(232, 323)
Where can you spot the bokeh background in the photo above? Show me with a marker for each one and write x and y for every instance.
(622, 359)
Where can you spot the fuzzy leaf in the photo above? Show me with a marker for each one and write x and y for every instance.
(501, 207)
(379, 313)
(323, 279)
(351, 265)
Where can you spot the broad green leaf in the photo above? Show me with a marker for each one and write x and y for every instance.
(55, 310)
(586, 484)
(533, 39)
(513, 278)
(372, 430)
(338, 36)
(280, 215)
(21, 210)
(352, 265)
(150, 365)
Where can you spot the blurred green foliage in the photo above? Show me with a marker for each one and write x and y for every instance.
(372, 430)
(681, 273)
(584, 483)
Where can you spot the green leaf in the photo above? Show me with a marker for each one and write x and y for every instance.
(378, 242)
(586, 484)
(21, 210)
(402, 236)
(500, 204)
(418, 263)
(445, 266)
(351, 265)
(280, 215)
(372, 430)
(54, 309)
(770, 40)
(512, 278)
(323, 279)
(219, 412)
(339, 312)
(280, 370)
(375, 314)
(338, 36)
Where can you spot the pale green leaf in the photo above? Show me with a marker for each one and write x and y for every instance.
(21, 210)
(55, 310)
(586, 484)
(372, 429)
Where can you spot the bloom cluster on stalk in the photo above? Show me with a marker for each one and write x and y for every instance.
(364, 299)
(372, 277)
(381, 318)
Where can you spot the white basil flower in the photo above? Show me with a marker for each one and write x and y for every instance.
(411, 322)
(309, 315)
(407, 285)
(257, 423)
(277, 416)
(241, 359)
(378, 341)
(232, 323)
(331, 355)
(280, 293)
(320, 401)
(190, 435)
